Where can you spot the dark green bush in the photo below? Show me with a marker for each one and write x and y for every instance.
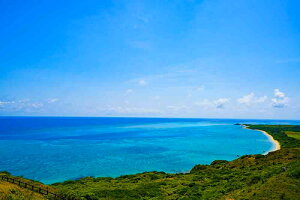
(294, 170)
(219, 162)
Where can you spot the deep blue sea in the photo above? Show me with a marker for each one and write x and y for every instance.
(55, 149)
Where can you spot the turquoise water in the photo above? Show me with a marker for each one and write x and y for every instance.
(58, 149)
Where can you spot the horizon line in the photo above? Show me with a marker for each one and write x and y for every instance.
(53, 116)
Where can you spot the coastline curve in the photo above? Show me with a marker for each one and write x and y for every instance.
(276, 144)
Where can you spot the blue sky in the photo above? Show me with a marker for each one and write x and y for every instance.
(206, 59)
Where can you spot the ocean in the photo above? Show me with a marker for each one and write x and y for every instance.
(56, 149)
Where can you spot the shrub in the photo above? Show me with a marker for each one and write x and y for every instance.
(219, 162)
(294, 170)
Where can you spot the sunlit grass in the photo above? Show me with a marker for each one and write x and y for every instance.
(9, 191)
(293, 134)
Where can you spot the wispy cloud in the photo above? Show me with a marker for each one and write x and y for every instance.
(52, 100)
(251, 99)
(36, 105)
(128, 91)
(177, 108)
(168, 76)
(214, 104)
(25, 105)
(200, 88)
(280, 100)
(142, 82)
(220, 103)
(156, 97)
(3, 103)
(128, 110)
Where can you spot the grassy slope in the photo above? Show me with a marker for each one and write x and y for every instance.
(292, 134)
(275, 176)
(11, 191)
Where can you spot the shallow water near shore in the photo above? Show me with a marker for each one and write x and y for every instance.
(55, 149)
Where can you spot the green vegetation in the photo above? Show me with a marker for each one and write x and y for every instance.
(14, 192)
(11, 191)
(274, 176)
(292, 134)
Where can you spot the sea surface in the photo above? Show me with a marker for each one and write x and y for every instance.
(55, 149)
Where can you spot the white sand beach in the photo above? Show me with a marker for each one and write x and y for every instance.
(270, 137)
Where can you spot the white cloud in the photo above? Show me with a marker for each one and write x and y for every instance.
(24, 100)
(199, 89)
(24, 105)
(36, 105)
(204, 103)
(142, 82)
(3, 103)
(128, 110)
(177, 108)
(173, 75)
(129, 91)
(52, 100)
(251, 99)
(247, 99)
(220, 103)
(280, 100)
(279, 103)
(261, 99)
(278, 93)
(28, 106)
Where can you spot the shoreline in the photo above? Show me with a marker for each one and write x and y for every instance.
(270, 137)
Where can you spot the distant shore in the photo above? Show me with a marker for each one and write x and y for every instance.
(270, 137)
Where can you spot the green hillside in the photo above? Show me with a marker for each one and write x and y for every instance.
(11, 191)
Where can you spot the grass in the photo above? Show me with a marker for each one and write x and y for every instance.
(293, 134)
(12, 191)
(9, 191)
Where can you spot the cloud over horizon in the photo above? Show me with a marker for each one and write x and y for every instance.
(251, 99)
(280, 100)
